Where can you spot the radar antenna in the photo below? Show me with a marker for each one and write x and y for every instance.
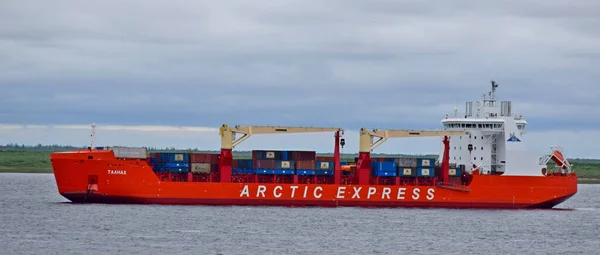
(494, 86)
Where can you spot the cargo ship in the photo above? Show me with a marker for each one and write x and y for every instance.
(487, 166)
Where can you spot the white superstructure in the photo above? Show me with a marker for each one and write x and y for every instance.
(495, 144)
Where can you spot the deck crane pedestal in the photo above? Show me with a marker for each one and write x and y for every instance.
(228, 142)
(367, 145)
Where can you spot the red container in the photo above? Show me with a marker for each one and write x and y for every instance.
(305, 164)
(204, 158)
(303, 155)
(264, 164)
(324, 158)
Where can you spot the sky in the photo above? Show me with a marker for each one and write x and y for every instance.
(142, 70)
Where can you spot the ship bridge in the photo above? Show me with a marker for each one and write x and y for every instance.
(495, 144)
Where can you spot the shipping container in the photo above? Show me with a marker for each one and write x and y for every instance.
(263, 154)
(204, 158)
(243, 171)
(406, 162)
(176, 164)
(201, 168)
(305, 165)
(324, 165)
(285, 155)
(129, 152)
(384, 173)
(323, 172)
(281, 171)
(242, 163)
(173, 157)
(178, 169)
(425, 171)
(454, 171)
(324, 158)
(305, 172)
(384, 166)
(284, 164)
(214, 168)
(264, 164)
(265, 171)
(425, 162)
(303, 155)
(159, 167)
(407, 171)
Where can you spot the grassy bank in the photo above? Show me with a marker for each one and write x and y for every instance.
(39, 162)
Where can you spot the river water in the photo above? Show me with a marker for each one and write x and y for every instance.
(35, 219)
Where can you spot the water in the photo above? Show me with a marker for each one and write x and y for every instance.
(35, 219)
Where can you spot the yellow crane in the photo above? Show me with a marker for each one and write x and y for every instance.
(228, 140)
(367, 145)
(366, 136)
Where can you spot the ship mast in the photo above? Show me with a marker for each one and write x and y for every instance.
(93, 135)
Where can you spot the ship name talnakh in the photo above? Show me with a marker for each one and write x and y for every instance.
(487, 166)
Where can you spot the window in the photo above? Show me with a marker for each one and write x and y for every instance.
(474, 158)
(481, 148)
(469, 136)
(459, 157)
(481, 158)
(454, 158)
(455, 147)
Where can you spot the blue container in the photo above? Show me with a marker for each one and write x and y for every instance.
(454, 171)
(305, 172)
(265, 171)
(176, 165)
(284, 164)
(407, 171)
(284, 155)
(100, 148)
(244, 163)
(243, 171)
(283, 171)
(344, 163)
(323, 172)
(159, 167)
(178, 169)
(380, 173)
(425, 172)
(174, 157)
(383, 166)
(324, 165)
(425, 162)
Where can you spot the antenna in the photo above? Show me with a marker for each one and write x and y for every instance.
(93, 134)
(494, 86)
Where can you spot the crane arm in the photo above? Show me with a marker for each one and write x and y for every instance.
(367, 145)
(227, 133)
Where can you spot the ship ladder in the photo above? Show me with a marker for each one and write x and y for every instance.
(451, 186)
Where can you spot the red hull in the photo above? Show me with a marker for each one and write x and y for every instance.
(97, 177)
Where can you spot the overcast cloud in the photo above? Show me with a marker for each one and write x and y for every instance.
(383, 64)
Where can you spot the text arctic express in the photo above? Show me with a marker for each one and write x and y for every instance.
(343, 192)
